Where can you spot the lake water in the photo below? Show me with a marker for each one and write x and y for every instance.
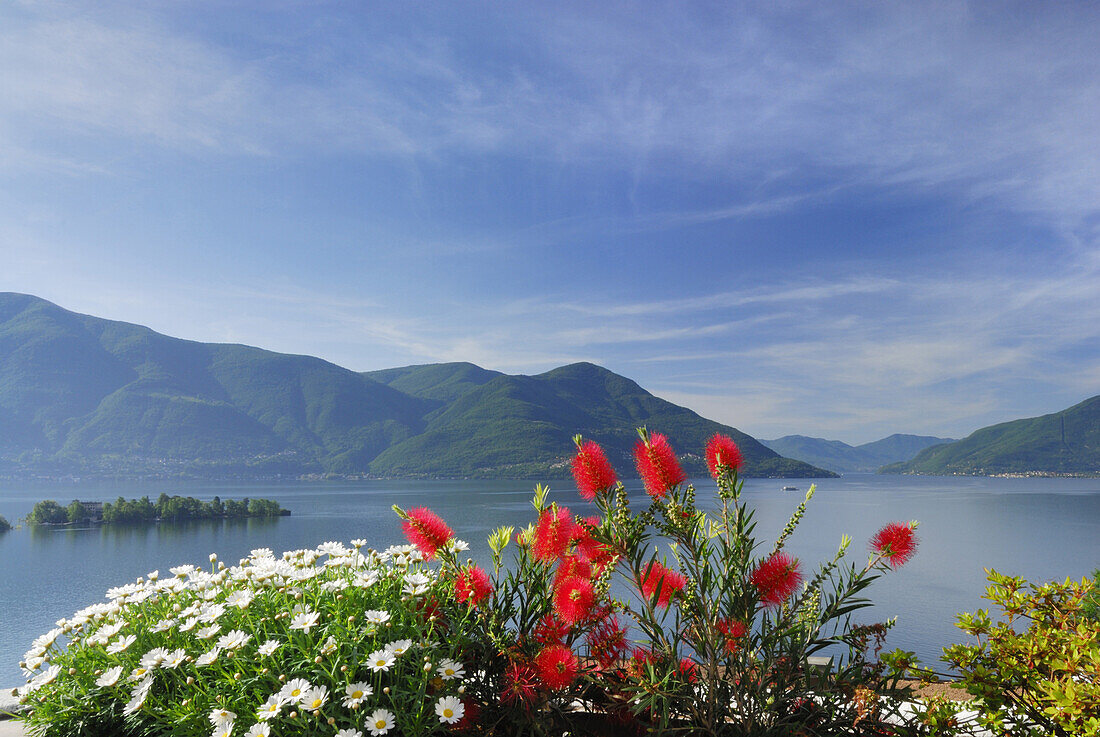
(1042, 529)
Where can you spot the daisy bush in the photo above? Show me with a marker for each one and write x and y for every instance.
(339, 640)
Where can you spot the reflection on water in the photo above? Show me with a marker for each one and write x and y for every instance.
(1039, 528)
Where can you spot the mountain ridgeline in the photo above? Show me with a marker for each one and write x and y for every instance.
(843, 458)
(80, 395)
(1062, 443)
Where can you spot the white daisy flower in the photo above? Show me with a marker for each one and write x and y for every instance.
(259, 729)
(356, 692)
(358, 543)
(221, 717)
(208, 657)
(449, 670)
(294, 689)
(138, 674)
(380, 660)
(365, 580)
(223, 730)
(261, 553)
(329, 647)
(399, 647)
(349, 733)
(121, 644)
(304, 621)
(205, 633)
(458, 546)
(183, 571)
(211, 612)
(271, 707)
(377, 616)
(233, 640)
(449, 710)
(175, 659)
(163, 625)
(314, 698)
(268, 647)
(141, 691)
(417, 584)
(110, 677)
(380, 721)
(189, 624)
(47, 676)
(153, 659)
(239, 599)
(334, 549)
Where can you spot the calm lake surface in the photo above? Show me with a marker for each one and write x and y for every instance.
(1042, 529)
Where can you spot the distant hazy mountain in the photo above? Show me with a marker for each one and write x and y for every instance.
(843, 458)
(1066, 442)
(83, 395)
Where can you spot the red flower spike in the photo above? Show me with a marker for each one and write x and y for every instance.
(734, 630)
(722, 452)
(688, 670)
(896, 542)
(657, 577)
(607, 641)
(570, 566)
(640, 658)
(552, 534)
(469, 720)
(521, 683)
(657, 465)
(592, 471)
(550, 631)
(426, 531)
(776, 578)
(573, 600)
(557, 666)
(472, 586)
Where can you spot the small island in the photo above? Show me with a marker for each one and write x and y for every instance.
(165, 509)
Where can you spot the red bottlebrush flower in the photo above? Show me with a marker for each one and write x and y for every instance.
(521, 683)
(734, 630)
(640, 658)
(776, 578)
(426, 531)
(557, 666)
(591, 470)
(722, 452)
(657, 465)
(657, 578)
(896, 542)
(607, 641)
(570, 566)
(472, 586)
(688, 670)
(552, 534)
(573, 600)
(550, 631)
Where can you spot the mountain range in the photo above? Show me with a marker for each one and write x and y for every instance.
(843, 458)
(1066, 442)
(81, 395)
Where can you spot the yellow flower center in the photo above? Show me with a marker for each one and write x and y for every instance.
(357, 695)
(296, 692)
(316, 704)
(380, 724)
(447, 713)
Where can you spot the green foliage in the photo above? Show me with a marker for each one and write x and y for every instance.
(1091, 606)
(4, 524)
(48, 512)
(1038, 664)
(75, 513)
(1063, 442)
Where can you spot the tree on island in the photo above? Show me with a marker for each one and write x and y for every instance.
(4, 524)
(48, 512)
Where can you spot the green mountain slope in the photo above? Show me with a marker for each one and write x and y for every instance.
(83, 395)
(843, 458)
(523, 426)
(1066, 442)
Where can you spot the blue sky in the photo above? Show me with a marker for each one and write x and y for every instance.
(835, 219)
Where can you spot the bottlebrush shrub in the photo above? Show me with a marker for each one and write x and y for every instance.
(1037, 670)
(333, 641)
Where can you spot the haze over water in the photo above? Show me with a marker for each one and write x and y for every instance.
(1039, 528)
